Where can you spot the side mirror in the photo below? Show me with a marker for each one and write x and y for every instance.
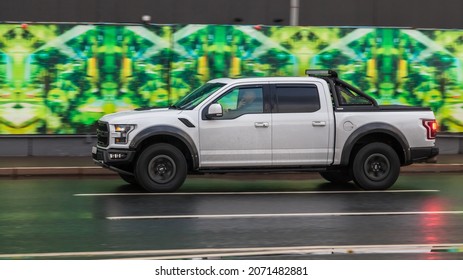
(214, 111)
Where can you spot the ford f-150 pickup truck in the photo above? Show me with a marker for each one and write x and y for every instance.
(316, 123)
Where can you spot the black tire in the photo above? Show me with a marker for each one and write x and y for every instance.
(337, 176)
(376, 166)
(129, 179)
(161, 168)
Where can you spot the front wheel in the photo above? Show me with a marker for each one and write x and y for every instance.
(376, 166)
(161, 168)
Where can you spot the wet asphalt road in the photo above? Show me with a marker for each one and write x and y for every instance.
(421, 213)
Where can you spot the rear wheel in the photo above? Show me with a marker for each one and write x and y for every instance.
(376, 166)
(161, 168)
(337, 176)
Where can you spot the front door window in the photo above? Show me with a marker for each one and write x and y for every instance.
(241, 101)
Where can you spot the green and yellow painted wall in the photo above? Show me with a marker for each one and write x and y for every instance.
(60, 79)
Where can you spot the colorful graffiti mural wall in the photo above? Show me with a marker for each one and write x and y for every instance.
(59, 79)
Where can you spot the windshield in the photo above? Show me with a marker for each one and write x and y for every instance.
(197, 96)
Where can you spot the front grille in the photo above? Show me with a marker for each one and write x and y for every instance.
(102, 133)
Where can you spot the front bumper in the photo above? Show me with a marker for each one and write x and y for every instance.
(423, 154)
(112, 156)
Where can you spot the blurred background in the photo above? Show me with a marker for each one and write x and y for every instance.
(64, 64)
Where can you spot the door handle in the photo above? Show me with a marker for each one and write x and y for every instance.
(318, 123)
(261, 124)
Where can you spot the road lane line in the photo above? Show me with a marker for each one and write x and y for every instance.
(424, 249)
(179, 253)
(279, 215)
(252, 193)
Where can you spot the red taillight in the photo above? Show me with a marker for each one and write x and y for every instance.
(431, 128)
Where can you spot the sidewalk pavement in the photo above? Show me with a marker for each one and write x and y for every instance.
(84, 166)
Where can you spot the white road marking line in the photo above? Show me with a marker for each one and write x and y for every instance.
(279, 215)
(178, 253)
(252, 193)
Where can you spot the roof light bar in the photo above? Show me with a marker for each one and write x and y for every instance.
(323, 73)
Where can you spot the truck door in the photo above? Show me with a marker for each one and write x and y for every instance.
(242, 136)
(301, 125)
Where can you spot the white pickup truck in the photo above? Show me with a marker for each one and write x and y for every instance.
(274, 124)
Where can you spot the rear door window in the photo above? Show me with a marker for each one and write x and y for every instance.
(297, 99)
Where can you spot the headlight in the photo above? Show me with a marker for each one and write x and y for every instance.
(121, 135)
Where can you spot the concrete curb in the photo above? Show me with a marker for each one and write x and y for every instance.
(432, 168)
(55, 171)
(99, 171)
